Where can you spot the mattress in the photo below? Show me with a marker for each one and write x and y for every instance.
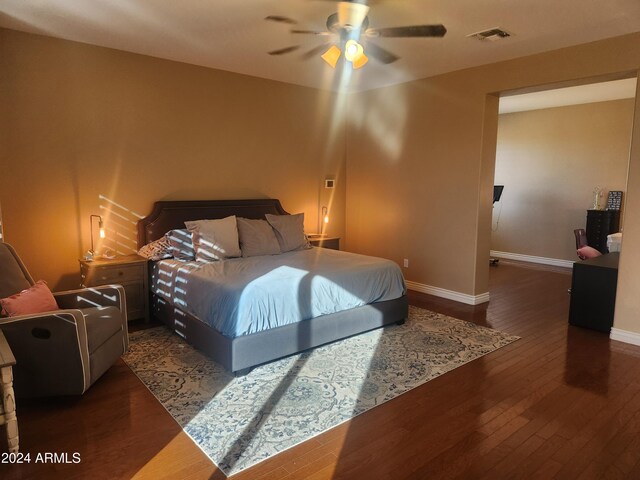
(241, 296)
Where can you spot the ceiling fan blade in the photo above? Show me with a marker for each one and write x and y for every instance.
(409, 31)
(281, 19)
(380, 54)
(311, 32)
(313, 52)
(282, 51)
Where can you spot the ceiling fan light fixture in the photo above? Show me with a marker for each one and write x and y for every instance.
(352, 14)
(354, 53)
(360, 62)
(349, 23)
(332, 55)
(353, 50)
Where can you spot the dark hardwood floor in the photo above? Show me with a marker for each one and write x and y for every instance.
(562, 402)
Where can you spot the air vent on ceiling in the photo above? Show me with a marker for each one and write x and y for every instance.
(491, 34)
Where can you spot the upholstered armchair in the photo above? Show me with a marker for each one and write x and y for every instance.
(63, 351)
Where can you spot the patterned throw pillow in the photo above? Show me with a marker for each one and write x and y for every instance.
(156, 250)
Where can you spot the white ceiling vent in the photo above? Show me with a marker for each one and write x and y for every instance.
(491, 35)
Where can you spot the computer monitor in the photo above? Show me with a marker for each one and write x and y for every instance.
(497, 192)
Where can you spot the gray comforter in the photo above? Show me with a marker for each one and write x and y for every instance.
(241, 296)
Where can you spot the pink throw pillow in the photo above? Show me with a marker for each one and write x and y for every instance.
(35, 299)
(588, 252)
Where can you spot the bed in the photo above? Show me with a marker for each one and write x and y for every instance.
(259, 317)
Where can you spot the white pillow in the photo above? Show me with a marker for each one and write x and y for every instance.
(215, 239)
(289, 231)
(257, 238)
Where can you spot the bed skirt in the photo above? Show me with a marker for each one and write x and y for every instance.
(240, 353)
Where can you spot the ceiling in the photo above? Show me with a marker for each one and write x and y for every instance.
(232, 35)
(560, 97)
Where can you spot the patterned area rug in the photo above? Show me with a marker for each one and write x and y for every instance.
(240, 421)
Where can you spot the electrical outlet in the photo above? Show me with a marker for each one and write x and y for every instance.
(406, 263)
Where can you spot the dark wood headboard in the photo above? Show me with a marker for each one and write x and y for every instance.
(168, 215)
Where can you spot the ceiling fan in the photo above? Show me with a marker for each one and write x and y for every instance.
(349, 24)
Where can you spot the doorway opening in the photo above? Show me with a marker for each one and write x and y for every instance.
(559, 153)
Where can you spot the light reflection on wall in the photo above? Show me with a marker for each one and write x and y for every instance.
(120, 227)
(384, 120)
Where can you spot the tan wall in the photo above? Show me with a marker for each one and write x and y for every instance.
(550, 160)
(91, 130)
(627, 316)
(417, 199)
(429, 197)
(84, 126)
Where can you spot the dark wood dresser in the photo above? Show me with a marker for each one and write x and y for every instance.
(601, 223)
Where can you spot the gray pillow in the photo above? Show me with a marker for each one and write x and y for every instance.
(215, 239)
(257, 238)
(181, 244)
(289, 231)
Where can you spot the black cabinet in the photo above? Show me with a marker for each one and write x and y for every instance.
(593, 292)
(601, 223)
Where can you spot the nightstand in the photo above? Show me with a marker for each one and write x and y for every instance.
(325, 242)
(130, 271)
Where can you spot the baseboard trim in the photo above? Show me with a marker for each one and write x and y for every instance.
(448, 294)
(625, 336)
(556, 262)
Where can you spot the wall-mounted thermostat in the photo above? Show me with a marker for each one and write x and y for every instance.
(329, 183)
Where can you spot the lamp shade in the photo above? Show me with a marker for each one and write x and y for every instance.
(332, 55)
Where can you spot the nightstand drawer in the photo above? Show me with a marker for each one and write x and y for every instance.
(130, 271)
(112, 274)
